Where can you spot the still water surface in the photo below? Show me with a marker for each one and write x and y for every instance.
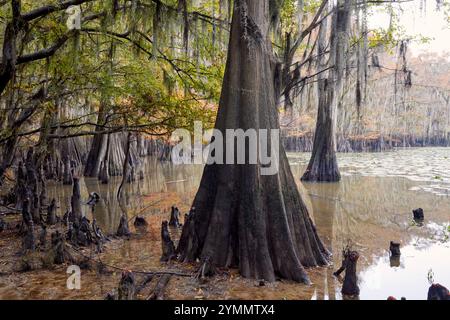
(371, 206)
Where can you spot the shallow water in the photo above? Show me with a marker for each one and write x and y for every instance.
(371, 206)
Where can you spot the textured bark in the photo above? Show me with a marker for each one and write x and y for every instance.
(323, 165)
(242, 218)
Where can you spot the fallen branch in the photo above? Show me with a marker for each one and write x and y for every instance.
(158, 292)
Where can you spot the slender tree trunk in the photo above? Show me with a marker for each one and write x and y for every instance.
(323, 165)
(104, 171)
(243, 219)
(98, 148)
(126, 166)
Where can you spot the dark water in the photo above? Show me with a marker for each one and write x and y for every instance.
(370, 207)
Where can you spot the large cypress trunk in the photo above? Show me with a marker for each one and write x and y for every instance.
(243, 219)
(323, 166)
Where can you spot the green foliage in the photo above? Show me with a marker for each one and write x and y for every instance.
(130, 60)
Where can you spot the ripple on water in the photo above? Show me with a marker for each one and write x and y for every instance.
(428, 165)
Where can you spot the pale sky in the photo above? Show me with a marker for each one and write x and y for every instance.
(428, 23)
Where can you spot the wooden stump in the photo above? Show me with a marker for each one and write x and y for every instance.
(168, 248)
(395, 249)
(438, 292)
(85, 229)
(174, 218)
(58, 248)
(140, 222)
(98, 234)
(419, 215)
(123, 230)
(349, 261)
(29, 241)
(350, 286)
(394, 261)
(127, 286)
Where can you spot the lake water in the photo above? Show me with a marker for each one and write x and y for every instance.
(371, 206)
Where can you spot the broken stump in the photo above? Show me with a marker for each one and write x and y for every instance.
(168, 247)
(438, 292)
(419, 215)
(140, 222)
(395, 249)
(127, 286)
(123, 230)
(174, 218)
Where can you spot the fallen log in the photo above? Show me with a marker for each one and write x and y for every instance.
(159, 291)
